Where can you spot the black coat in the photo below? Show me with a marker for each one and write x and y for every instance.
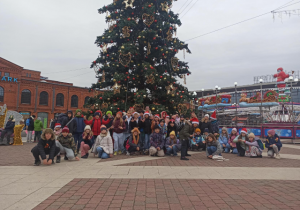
(46, 146)
(31, 124)
(170, 129)
(204, 125)
(133, 124)
(146, 126)
(10, 125)
(72, 125)
(62, 120)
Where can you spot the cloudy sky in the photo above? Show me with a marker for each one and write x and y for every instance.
(58, 36)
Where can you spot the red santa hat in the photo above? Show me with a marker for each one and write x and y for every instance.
(168, 116)
(147, 113)
(214, 115)
(280, 69)
(195, 121)
(135, 113)
(157, 115)
(57, 125)
(244, 130)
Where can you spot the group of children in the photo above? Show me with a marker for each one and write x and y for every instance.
(153, 135)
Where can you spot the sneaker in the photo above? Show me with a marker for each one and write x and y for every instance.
(66, 158)
(127, 153)
(184, 158)
(188, 155)
(120, 152)
(277, 156)
(115, 153)
(85, 156)
(37, 162)
(58, 159)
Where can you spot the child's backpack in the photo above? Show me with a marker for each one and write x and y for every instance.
(260, 144)
(126, 143)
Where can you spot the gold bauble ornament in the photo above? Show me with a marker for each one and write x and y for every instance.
(153, 109)
(122, 47)
(174, 107)
(114, 80)
(108, 99)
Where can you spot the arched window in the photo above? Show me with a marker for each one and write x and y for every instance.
(74, 101)
(26, 97)
(1, 94)
(86, 99)
(44, 98)
(60, 99)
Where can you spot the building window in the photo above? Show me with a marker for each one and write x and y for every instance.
(0, 73)
(29, 75)
(60, 99)
(44, 98)
(1, 94)
(26, 97)
(26, 74)
(6, 74)
(74, 101)
(86, 99)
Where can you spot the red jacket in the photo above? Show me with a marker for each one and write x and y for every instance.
(97, 124)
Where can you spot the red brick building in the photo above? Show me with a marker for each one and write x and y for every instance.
(28, 93)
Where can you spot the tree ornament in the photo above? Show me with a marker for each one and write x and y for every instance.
(149, 49)
(125, 58)
(116, 88)
(129, 3)
(150, 79)
(125, 31)
(174, 63)
(148, 19)
(165, 7)
(104, 105)
(169, 36)
(103, 76)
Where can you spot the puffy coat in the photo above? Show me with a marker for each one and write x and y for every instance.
(273, 140)
(186, 130)
(157, 140)
(170, 129)
(38, 125)
(68, 142)
(215, 126)
(48, 146)
(105, 142)
(219, 148)
(223, 139)
(131, 143)
(169, 142)
(204, 125)
(10, 125)
(96, 124)
(62, 119)
(30, 124)
(231, 138)
(80, 125)
(146, 126)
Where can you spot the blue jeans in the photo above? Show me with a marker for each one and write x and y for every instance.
(119, 141)
(101, 153)
(146, 142)
(227, 148)
(173, 151)
(77, 139)
(211, 150)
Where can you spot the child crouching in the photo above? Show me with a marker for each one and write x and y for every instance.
(253, 147)
(134, 144)
(86, 144)
(213, 146)
(46, 146)
(197, 142)
(67, 145)
(103, 145)
(273, 144)
(231, 145)
(172, 144)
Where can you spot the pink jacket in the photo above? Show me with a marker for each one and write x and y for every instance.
(231, 138)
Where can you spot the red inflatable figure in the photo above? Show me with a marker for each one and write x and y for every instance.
(281, 76)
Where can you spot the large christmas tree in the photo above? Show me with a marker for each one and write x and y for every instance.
(137, 64)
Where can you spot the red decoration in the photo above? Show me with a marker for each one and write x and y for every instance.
(126, 72)
(91, 112)
(94, 62)
(154, 38)
(188, 74)
(160, 76)
(149, 5)
(119, 81)
(180, 96)
(182, 91)
(100, 98)
(128, 77)
(134, 94)
(128, 19)
(155, 21)
(133, 78)
(118, 108)
(171, 28)
(156, 48)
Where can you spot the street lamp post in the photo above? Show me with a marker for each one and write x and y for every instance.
(202, 100)
(217, 89)
(261, 110)
(236, 120)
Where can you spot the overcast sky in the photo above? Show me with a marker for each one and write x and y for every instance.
(59, 35)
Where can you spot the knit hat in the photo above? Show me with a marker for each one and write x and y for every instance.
(99, 113)
(135, 130)
(195, 121)
(156, 127)
(103, 127)
(272, 132)
(207, 115)
(65, 130)
(78, 110)
(244, 130)
(146, 113)
(119, 112)
(172, 133)
(197, 130)
(234, 129)
(206, 130)
(214, 115)
(11, 117)
(57, 125)
(87, 127)
(251, 135)
(109, 112)
(224, 129)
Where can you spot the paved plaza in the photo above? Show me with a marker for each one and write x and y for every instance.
(143, 182)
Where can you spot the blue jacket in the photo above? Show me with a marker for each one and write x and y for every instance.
(223, 139)
(10, 125)
(274, 140)
(80, 125)
(198, 139)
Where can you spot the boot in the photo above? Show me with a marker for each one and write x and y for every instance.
(277, 156)
(37, 162)
(184, 158)
(66, 158)
(58, 159)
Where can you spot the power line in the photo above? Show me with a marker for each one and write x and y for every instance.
(183, 5)
(186, 6)
(190, 8)
(240, 22)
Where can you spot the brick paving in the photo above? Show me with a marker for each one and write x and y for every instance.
(200, 159)
(285, 150)
(138, 194)
(120, 157)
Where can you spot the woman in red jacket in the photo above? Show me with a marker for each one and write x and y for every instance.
(96, 123)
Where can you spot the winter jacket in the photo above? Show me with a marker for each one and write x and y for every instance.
(127, 124)
(10, 125)
(72, 124)
(30, 124)
(116, 125)
(198, 139)
(62, 120)
(157, 140)
(169, 142)
(38, 125)
(231, 138)
(243, 145)
(170, 129)
(163, 130)
(219, 148)
(134, 124)
(52, 124)
(215, 126)
(223, 139)
(80, 125)
(146, 126)
(87, 139)
(131, 143)
(185, 131)
(47, 146)
(153, 123)
(105, 142)
(273, 140)
(204, 125)
(96, 124)
(111, 119)
(68, 142)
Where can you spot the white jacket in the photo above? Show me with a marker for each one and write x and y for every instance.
(104, 142)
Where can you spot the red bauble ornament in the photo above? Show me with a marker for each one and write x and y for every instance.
(107, 55)
(115, 26)
(171, 28)
(100, 98)
(128, 77)
(188, 74)
(151, 67)
(94, 62)
(118, 108)
(174, 83)
(163, 54)
(180, 96)
(132, 13)
(160, 76)
(126, 72)
(154, 38)
(149, 5)
(134, 94)
(116, 12)
(111, 41)
(156, 48)
(182, 91)
(128, 19)
(119, 81)
(91, 112)
(166, 71)
(175, 50)
(133, 78)
(155, 21)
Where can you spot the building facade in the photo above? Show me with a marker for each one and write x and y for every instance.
(28, 93)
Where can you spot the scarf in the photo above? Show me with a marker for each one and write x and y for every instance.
(135, 141)
(212, 143)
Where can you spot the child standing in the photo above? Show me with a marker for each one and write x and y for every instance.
(156, 143)
(223, 139)
(86, 144)
(273, 144)
(118, 128)
(255, 151)
(172, 144)
(197, 141)
(46, 146)
(67, 145)
(213, 146)
(240, 142)
(103, 145)
(231, 145)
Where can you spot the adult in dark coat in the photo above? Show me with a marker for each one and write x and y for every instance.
(8, 130)
(62, 119)
(145, 124)
(185, 133)
(71, 124)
